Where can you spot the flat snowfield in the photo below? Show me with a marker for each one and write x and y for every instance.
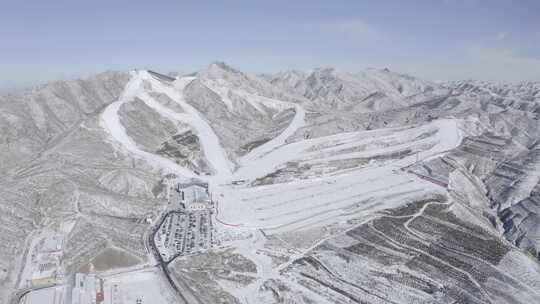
(52, 295)
(317, 197)
(147, 286)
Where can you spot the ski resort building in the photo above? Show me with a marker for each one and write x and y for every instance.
(53, 244)
(45, 274)
(194, 195)
(46, 264)
(88, 289)
(198, 206)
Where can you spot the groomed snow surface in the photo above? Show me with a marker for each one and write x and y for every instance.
(146, 286)
(312, 197)
(324, 198)
(316, 198)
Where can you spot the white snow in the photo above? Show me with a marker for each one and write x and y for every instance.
(110, 121)
(214, 152)
(292, 205)
(297, 122)
(329, 197)
(53, 295)
(320, 197)
(147, 285)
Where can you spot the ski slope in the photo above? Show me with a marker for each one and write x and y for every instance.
(213, 151)
(260, 102)
(323, 198)
(317, 181)
(297, 122)
(110, 122)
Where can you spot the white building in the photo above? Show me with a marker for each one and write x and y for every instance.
(53, 244)
(194, 195)
(45, 270)
(46, 267)
(88, 289)
(198, 206)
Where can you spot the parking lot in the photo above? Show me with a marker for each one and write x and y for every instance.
(187, 228)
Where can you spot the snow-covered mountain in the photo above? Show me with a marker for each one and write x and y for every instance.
(329, 186)
(370, 90)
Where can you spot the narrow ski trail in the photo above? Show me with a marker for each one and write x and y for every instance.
(110, 122)
(297, 122)
(211, 147)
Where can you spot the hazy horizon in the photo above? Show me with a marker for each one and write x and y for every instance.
(435, 40)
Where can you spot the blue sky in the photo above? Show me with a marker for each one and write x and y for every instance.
(433, 39)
